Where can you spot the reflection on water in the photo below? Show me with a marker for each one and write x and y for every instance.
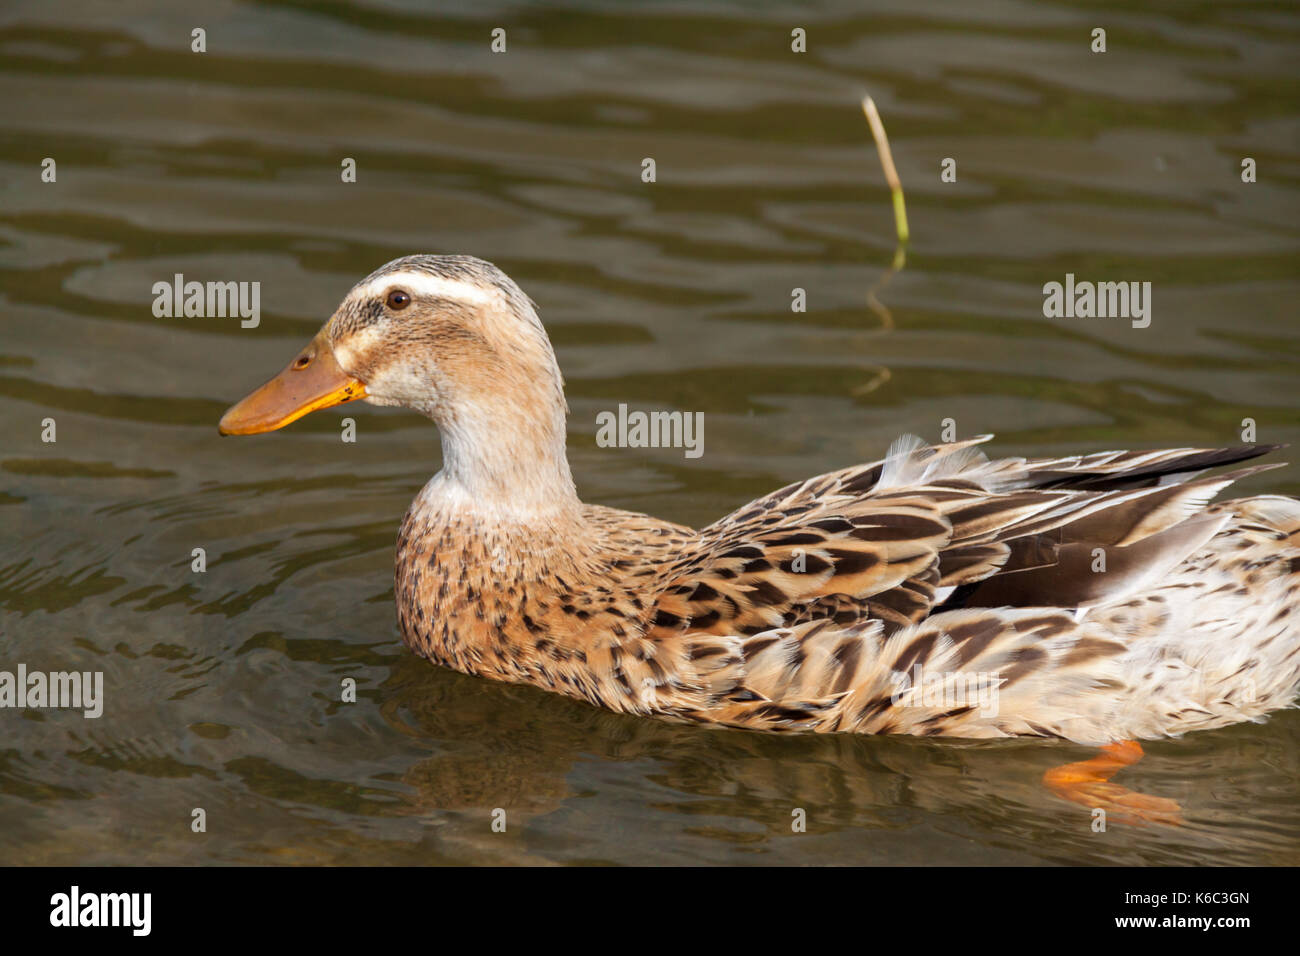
(223, 687)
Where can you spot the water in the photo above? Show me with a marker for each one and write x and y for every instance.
(223, 688)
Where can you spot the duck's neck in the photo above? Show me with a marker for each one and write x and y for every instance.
(508, 462)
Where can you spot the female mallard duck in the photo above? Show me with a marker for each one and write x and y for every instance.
(1098, 598)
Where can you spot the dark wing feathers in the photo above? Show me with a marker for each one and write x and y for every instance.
(1109, 470)
(1085, 573)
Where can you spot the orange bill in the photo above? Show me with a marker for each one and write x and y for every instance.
(312, 380)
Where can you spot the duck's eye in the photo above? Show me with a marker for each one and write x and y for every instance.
(397, 299)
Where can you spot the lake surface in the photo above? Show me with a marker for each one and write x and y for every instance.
(223, 688)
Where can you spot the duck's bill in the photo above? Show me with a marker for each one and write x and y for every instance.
(311, 381)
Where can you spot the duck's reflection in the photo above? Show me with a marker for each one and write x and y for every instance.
(535, 754)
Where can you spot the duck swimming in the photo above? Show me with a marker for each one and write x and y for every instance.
(1100, 598)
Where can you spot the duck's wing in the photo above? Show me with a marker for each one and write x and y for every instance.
(1212, 644)
(893, 540)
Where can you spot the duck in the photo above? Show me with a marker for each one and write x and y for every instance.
(1100, 598)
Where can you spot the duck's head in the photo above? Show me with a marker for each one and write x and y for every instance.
(452, 337)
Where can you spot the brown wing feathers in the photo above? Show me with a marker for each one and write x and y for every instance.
(879, 539)
(747, 577)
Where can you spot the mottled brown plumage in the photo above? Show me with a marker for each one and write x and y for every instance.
(1094, 597)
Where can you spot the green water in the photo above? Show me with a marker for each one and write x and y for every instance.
(222, 688)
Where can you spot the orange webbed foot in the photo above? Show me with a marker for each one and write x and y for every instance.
(1087, 782)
